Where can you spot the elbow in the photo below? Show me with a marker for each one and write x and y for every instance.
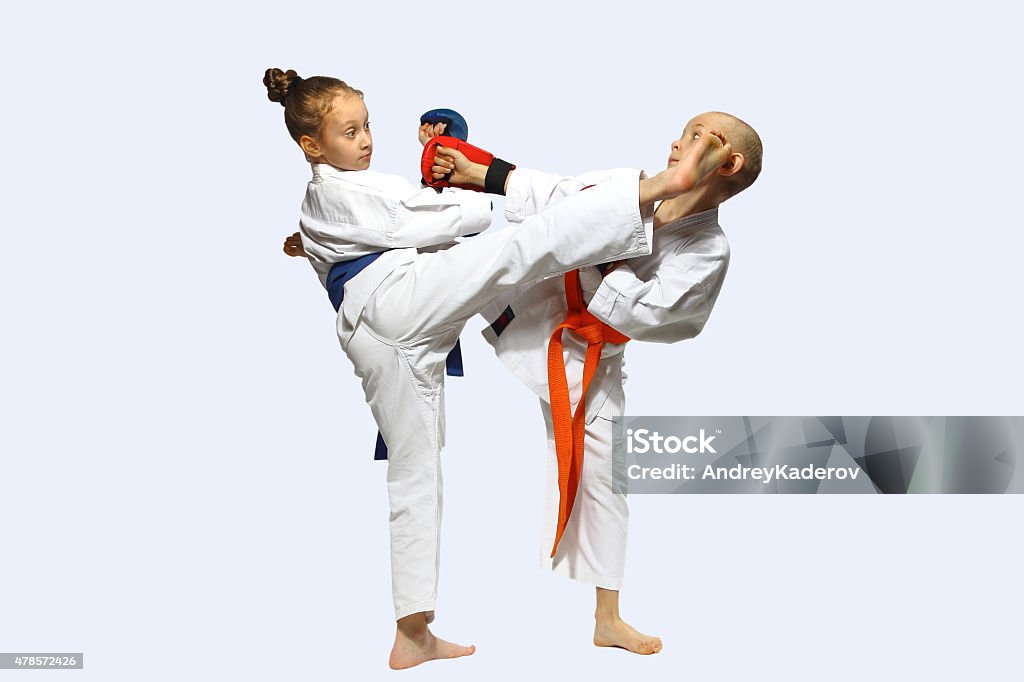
(688, 329)
(697, 325)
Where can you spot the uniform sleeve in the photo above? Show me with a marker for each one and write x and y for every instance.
(343, 219)
(672, 305)
(529, 192)
(426, 217)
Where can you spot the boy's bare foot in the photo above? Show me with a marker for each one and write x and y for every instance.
(415, 644)
(616, 632)
(707, 155)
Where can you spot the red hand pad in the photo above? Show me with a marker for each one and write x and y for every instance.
(474, 154)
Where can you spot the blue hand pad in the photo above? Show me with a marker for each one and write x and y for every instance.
(457, 126)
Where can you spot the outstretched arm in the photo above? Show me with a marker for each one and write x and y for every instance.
(346, 217)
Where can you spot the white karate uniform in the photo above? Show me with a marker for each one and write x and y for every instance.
(663, 297)
(404, 312)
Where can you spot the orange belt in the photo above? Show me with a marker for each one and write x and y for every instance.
(570, 427)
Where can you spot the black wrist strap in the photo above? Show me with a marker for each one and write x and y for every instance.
(497, 174)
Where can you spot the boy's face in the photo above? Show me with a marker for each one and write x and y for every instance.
(345, 141)
(692, 132)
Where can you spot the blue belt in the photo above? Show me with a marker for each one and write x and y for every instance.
(336, 278)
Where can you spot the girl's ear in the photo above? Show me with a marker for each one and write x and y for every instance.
(309, 147)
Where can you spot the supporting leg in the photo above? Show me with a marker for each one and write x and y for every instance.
(593, 547)
(406, 398)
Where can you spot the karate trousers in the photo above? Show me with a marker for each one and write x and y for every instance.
(399, 342)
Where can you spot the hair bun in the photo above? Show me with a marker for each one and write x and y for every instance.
(279, 82)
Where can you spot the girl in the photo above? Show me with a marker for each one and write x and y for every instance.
(403, 311)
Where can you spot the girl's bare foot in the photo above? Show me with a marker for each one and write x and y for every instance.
(415, 644)
(708, 154)
(616, 632)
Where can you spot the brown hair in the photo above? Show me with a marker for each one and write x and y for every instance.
(306, 101)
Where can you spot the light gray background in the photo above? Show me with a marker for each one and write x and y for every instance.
(186, 488)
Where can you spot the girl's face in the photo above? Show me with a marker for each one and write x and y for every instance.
(345, 141)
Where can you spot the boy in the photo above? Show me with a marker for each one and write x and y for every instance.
(664, 297)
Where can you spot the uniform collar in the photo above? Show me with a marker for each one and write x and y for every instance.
(326, 169)
(368, 178)
(694, 221)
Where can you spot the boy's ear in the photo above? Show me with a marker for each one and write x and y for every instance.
(732, 165)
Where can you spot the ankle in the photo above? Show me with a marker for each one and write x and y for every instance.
(413, 627)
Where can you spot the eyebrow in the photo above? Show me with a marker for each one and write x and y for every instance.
(349, 123)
